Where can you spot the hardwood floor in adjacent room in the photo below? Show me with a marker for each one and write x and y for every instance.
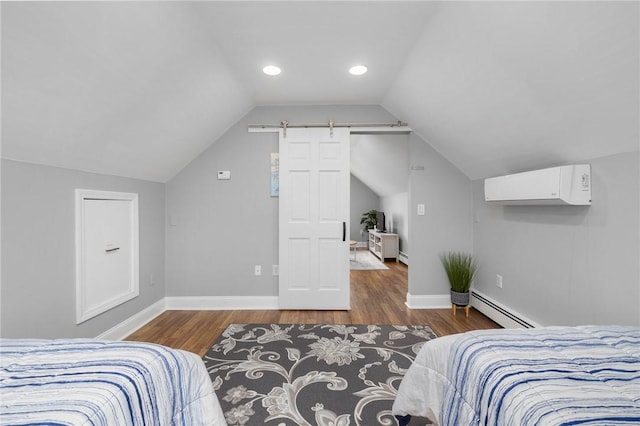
(377, 297)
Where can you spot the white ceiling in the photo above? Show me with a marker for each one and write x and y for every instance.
(139, 89)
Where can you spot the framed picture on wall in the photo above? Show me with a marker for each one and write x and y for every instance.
(275, 174)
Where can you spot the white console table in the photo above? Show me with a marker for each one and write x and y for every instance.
(384, 244)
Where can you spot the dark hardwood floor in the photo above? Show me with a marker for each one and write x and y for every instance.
(377, 297)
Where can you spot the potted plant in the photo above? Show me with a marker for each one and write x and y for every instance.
(369, 219)
(461, 268)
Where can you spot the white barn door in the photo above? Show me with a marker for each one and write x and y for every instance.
(314, 219)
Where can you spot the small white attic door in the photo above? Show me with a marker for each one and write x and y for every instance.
(107, 258)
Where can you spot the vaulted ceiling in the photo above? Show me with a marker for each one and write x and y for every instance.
(139, 89)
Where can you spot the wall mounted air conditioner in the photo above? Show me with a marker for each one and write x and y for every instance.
(556, 185)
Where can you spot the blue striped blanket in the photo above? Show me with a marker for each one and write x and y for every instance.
(90, 382)
(549, 376)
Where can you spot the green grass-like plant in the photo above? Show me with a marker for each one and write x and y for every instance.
(461, 268)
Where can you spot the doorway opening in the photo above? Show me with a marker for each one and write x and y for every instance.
(303, 150)
(379, 166)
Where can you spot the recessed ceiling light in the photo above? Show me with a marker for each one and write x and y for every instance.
(358, 70)
(271, 70)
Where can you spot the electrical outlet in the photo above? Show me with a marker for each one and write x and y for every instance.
(257, 270)
(276, 270)
(420, 209)
(499, 281)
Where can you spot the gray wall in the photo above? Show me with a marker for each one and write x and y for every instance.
(38, 250)
(396, 207)
(447, 223)
(221, 229)
(561, 265)
(567, 265)
(362, 200)
(218, 230)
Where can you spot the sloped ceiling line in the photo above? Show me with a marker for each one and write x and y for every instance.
(140, 89)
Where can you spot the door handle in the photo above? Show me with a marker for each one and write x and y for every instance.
(344, 231)
(113, 249)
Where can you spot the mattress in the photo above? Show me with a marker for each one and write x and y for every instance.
(544, 376)
(90, 382)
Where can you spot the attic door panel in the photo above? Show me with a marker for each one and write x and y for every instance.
(108, 267)
(107, 253)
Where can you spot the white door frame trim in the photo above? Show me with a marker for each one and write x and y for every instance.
(83, 312)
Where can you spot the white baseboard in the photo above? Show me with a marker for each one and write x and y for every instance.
(225, 303)
(428, 301)
(503, 315)
(222, 303)
(205, 303)
(404, 258)
(134, 322)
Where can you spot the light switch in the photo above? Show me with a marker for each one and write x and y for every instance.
(224, 174)
(420, 209)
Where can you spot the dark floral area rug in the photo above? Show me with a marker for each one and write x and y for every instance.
(306, 374)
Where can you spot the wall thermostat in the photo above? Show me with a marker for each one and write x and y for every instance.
(224, 175)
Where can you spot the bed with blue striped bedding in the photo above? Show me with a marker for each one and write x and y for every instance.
(91, 382)
(547, 376)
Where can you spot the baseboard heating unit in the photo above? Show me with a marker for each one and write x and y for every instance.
(500, 313)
